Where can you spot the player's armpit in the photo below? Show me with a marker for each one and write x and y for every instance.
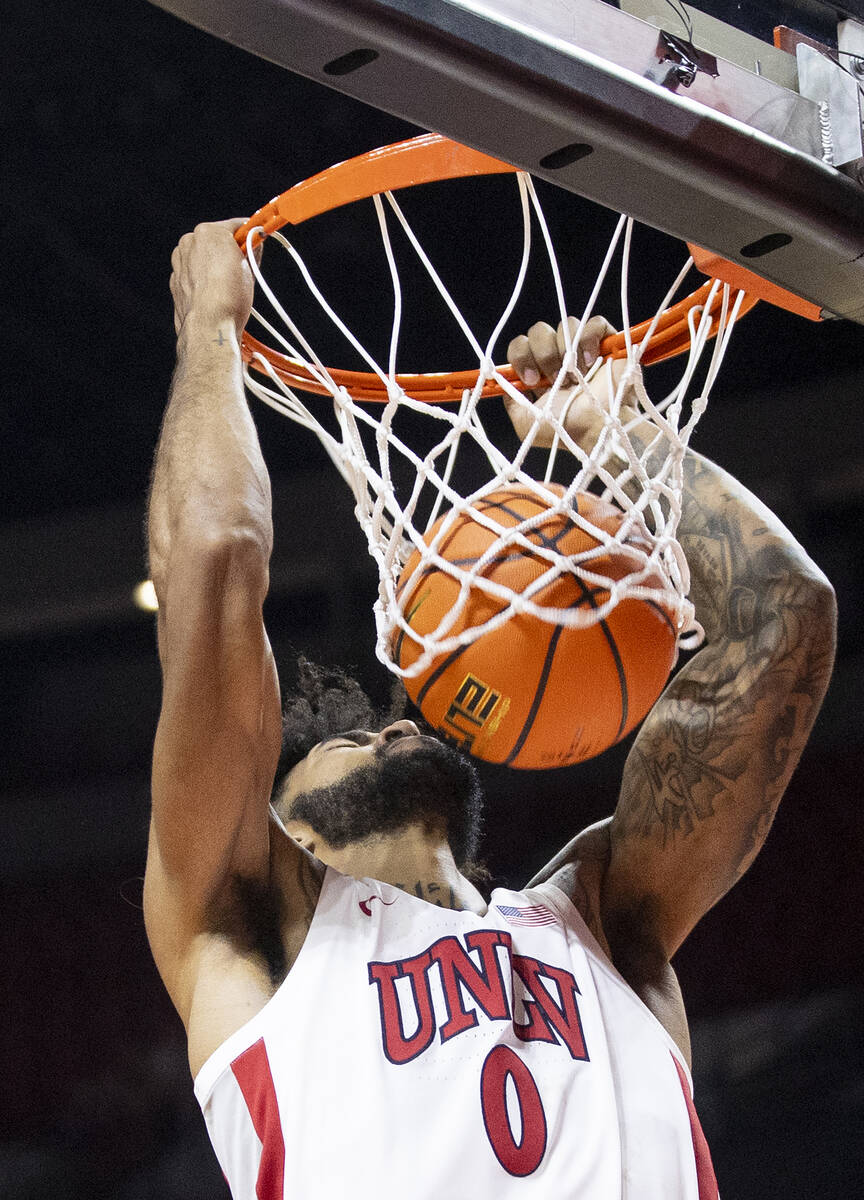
(579, 870)
(713, 758)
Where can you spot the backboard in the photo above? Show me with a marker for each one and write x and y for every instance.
(692, 121)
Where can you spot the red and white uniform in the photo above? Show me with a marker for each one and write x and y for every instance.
(416, 1052)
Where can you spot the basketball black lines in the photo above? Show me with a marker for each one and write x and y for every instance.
(563, 692)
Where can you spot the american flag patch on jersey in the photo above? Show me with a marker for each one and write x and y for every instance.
(535, 914)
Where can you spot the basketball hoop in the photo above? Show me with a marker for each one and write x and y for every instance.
(634, 557)
(426, 159)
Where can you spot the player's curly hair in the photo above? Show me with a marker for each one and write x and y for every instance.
(326, 701)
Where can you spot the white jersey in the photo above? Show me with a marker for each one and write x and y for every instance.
(414, 1052)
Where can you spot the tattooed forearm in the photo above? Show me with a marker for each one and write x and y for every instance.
(711, 762)
(740, 567)
(741, 711)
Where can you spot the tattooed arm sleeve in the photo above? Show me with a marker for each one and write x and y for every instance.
(710, 764)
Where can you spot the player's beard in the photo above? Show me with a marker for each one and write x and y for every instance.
(427, 782)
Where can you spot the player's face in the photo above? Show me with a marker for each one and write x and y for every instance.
(331, 761)
(362, 783)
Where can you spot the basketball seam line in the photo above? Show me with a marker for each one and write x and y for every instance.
(538, 696)
(661, 612)
(546, 542)
(616, 656)
(485, 506)
(438, 672)
(622, 675)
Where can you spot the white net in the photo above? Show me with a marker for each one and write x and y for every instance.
(406, 499)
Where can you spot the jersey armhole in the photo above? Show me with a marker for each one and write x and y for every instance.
(572, 918)
(242, 1038)
(569, 914)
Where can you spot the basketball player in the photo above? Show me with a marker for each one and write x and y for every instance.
(362, 1021)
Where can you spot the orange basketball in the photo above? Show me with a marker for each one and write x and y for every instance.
(532, 694)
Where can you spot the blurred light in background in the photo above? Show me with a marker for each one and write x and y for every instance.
(145, 596)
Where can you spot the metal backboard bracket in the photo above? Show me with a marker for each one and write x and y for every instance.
(564, 89)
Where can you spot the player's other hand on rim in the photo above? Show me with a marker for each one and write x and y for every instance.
(210, 277)
(539, 354)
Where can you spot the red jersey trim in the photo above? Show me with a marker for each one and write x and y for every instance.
(705, 1178)
(252, 1072)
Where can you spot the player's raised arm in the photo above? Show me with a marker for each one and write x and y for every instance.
(713, 757)
(210, 537)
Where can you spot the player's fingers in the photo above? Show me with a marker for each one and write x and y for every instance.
(522, 416)
(522, 360)
(512, 408)
(544, 347)
(520, 413)
(178, 254)
(593, 333)
(235, 223)
(174, 287)
(561, 343)
(231, 225)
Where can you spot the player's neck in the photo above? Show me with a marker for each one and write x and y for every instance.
(417, 861)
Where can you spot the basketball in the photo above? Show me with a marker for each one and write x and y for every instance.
(532, 694)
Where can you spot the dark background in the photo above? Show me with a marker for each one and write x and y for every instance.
(121, 129)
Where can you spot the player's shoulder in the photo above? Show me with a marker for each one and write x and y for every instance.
(578, 871)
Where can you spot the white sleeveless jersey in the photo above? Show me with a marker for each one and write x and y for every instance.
(414, 1052)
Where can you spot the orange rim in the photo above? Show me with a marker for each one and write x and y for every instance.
(426, 159)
